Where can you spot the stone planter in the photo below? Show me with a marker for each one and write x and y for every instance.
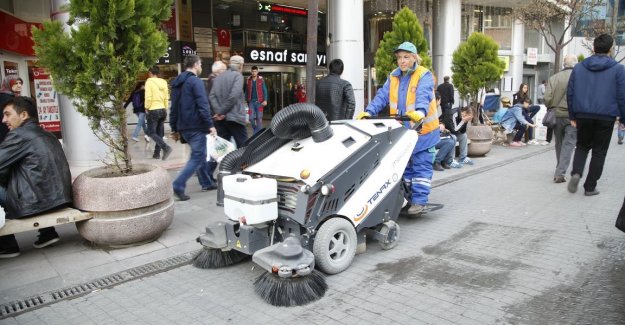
(127, 210)
(481, 137)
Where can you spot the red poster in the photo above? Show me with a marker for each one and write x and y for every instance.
(16, 35)
(169, 27)
(47, 101)
(223, 37)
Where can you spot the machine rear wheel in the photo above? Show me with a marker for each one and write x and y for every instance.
(335, 245)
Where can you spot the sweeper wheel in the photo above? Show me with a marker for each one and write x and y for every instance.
(390, 230)
(335, 245)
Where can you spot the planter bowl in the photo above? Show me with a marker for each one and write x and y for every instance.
(481, 139)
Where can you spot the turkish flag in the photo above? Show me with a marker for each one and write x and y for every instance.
(223, 37)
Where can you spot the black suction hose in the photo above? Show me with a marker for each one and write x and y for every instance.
(301, 120)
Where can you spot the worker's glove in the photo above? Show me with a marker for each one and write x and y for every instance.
(415, 116)
(175, 136)
(362, 115)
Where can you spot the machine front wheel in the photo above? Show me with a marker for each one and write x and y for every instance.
(335, 245)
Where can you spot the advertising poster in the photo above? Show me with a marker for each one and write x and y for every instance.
(47, 101)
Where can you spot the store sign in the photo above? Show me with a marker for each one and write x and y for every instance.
(177, 51)
(532, 56)
(277, 56)
(47, 101)
(269, 7)
(16, 35)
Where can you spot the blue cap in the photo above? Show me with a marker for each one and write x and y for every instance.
(408, 47)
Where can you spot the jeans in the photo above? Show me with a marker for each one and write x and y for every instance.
(463, 145)
(520, 130)
(256, 118)
(228, 129)
(529, 116)
(196, 163)
(592, 135)
(445, 153)
(621, 132)
(156, 129)
(140, 125)
(566, 136)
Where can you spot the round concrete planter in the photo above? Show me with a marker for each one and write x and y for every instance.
(127, 210)
(481, 137)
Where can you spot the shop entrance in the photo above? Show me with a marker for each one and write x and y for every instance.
(280, 87)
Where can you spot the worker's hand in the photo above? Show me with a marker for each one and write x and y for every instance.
(175, 136)
(415, 116)
(213, 131)
(362, 115)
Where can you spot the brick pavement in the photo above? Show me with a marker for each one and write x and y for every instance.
(510, 247)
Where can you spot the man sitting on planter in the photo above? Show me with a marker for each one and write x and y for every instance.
(34, 173)
(409, 90)
(515, 120)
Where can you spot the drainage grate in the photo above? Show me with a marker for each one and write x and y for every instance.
(18, 307)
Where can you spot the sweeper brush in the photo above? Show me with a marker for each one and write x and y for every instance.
(306, 193)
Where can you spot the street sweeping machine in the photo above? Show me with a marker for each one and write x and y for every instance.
(307, 193)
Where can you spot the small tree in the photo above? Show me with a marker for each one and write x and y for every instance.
(476, 64)
(597, 23)
(96, 64)
(406, 28)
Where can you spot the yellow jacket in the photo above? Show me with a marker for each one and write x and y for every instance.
(156, 93)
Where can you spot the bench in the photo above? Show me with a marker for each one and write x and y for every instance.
(49, 219)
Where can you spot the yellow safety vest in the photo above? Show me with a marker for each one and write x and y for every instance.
(430, 122)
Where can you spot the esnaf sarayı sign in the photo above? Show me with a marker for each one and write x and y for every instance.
(279, 56)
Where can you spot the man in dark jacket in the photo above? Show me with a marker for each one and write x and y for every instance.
(190, 118)
(595, 96)
(334, 95)
(446, 89)
(34, 173)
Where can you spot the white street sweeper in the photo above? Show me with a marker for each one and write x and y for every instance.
(307, 193)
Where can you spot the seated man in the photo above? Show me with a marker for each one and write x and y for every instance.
(444, 158)
(34, 173)
(456, 122)
(514, 119)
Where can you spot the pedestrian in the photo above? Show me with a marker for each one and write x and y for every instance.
(190, 119)
(456, 122)
(11, 86)
(621, 131)
(256, 96)
(521, 94)
(227, 101)
(217, 68)
(446, 89)
(565, 133)
(137, 98)
(515, 120)
(156, 102)
(409, 90)
(540, 94)
(300, 94)
(335, 96)
(444, 158)
(595, 96)
(34, 173)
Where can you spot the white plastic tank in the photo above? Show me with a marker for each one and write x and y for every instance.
(254, 199)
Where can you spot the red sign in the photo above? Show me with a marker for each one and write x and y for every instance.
(169, 27)
(223, 37)
(16, 36)
(289, 10)
(47, 101)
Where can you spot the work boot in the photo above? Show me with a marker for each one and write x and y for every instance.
(415, 209)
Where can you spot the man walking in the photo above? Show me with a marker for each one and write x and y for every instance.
(565, 133)
(156, 102)
(34, 172)
(228, 103)
(446, 89)
(540, 94)
(256, 96)
(334, 95)
(409, 90)
(190, 118)
(595, 96)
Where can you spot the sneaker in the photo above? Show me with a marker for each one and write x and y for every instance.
(467, 161)
(10, 253)
(415, 209)
(167, 152)
(572, 187)
(147, 139)
(135, 139)
(46, 240)
(516, 144)
(545, 143)
(438, 167)
(591, 193)
(559, 179)
(209, 188)
(523, 143)
(533, 142)
(455, 164)
(181, 196)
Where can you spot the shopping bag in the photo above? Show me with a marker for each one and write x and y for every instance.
(218, 147)
(549, 120)
(620, 220)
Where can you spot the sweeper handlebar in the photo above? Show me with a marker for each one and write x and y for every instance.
(401, 118)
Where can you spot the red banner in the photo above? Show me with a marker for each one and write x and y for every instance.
(16, 36)
(223, 37)
(47, 101)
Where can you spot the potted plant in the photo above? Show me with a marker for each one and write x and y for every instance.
(475, 65)
(95, 62)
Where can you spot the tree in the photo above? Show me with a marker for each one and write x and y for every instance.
(476, 64)
(546, 17)
(597, 23)
(406, 28)
(97, 62)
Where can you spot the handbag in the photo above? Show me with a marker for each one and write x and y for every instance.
(549, 120)
(620, 220)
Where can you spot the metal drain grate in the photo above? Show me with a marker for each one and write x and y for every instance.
(18, 307)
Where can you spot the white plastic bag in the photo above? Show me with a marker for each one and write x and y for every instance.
(218, 147)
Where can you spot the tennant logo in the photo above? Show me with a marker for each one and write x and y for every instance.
(372, 200)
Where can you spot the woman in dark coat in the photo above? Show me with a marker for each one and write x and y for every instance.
(11, 86)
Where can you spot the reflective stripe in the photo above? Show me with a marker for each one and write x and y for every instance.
(422, 183)
(417, 179)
